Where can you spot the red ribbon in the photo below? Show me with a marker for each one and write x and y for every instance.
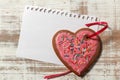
(97, 23)
(95, 34)
(57, 75)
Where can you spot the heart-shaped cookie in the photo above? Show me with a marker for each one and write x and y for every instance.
(76, 50)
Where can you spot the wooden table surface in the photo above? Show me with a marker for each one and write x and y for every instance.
(13, 68)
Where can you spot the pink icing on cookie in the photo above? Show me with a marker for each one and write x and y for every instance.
(76, 50)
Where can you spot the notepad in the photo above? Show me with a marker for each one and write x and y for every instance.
(38, 27)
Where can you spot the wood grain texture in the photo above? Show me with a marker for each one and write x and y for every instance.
(13, 68)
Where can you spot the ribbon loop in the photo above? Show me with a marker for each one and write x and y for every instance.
(97, 23)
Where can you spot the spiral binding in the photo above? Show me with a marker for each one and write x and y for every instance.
(40, 9)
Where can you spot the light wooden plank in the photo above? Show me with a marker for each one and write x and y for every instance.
(13, 68)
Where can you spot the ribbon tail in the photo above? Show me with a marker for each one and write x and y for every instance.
(57, 75)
